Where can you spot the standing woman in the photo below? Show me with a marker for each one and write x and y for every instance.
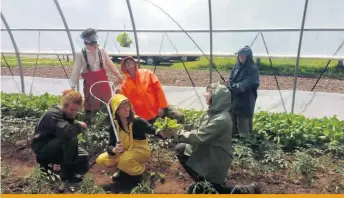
(90, 63)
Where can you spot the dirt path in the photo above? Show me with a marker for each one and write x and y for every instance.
(175, 77)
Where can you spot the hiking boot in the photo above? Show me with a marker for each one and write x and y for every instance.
(250, 189)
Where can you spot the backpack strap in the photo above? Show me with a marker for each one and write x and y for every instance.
(85, 56)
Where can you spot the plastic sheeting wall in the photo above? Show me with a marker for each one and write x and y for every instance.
(235, 24)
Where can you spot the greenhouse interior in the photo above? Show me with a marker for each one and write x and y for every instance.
(298, 50)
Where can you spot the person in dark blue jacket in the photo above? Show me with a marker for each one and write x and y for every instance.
(243, 84)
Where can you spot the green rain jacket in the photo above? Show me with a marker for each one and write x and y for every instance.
(210, 144)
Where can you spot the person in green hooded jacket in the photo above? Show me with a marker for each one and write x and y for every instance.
(206, 151)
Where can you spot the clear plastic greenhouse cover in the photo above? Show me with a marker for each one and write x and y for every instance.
(37, 26)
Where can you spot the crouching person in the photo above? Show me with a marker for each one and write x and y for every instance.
(131, 154)
(206, 152)
(55, 138)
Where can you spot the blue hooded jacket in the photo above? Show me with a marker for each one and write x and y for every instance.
(244, 83)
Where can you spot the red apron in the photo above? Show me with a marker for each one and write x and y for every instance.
(101, 90)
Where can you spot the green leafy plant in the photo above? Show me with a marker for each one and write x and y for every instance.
(243, 156)
(202, 187)
(124, 40)
(292, 131)
(156, 176)
(142, 188)
(88, 187)
(41, 182)
(81, 139)
(305, 165)
(21, 105)
(14, 129)
(191, 116)
(274, 157)
(167, 123)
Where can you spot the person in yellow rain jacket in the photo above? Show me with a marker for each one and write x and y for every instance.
(133, 152)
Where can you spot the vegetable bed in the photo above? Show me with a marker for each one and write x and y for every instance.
(286, 154)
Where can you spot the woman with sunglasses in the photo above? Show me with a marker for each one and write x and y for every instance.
(91, 63)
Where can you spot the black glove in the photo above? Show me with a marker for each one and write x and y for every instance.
(230, 86)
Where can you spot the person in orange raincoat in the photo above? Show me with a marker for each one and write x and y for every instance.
(131, 154)
(143, 89)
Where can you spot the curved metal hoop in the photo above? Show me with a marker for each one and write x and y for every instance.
(107, 104)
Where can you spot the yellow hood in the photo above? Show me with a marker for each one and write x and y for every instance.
(115, 102)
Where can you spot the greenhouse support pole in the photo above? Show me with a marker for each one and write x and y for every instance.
(68, 33)
(298, 55)
(135, 33)
(16, 51)
(211, 43)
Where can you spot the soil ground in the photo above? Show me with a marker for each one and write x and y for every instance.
(18, 162)
(175, 77)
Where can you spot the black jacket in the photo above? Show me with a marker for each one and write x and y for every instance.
(53, 124)
(244, 83)
(140, 128)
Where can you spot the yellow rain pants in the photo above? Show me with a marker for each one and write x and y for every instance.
(132, 160)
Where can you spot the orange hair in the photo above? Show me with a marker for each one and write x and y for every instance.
(70, 96)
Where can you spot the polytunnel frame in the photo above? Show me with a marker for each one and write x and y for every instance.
(210, 31)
